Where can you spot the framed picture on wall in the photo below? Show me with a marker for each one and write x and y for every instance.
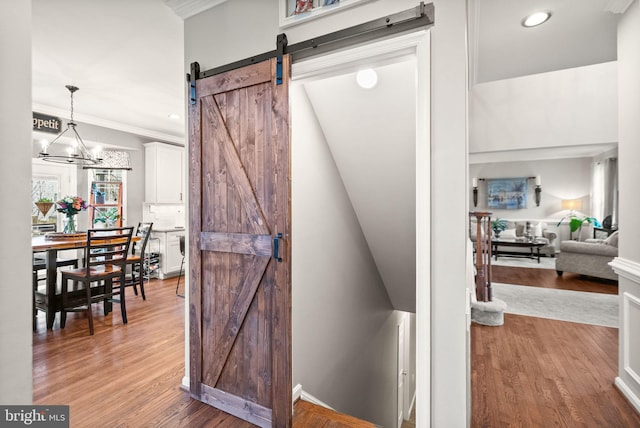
(507, 193)
(303, 6)
(293, 12)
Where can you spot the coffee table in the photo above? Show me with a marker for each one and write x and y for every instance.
(515, 243)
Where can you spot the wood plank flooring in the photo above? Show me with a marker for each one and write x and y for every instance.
(548, 278)
(534, 372)
(130, 376)
(530, 372)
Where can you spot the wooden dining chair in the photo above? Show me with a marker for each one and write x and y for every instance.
(181, 266)
(105, 257)
(39, 264)
(135, 261)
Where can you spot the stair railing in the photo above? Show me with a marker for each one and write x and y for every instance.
(484, 291)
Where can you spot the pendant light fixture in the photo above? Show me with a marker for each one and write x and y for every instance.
(78, 153)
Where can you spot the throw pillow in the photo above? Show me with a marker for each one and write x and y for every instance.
(612, 239)
(508, 233)
(537, 230)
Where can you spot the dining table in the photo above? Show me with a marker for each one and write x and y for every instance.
(50, 244)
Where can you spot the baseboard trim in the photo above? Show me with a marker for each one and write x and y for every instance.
(311, 399)
(628, 393)
(297, 392)
(185, 385)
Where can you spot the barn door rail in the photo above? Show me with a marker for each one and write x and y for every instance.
(421, 16)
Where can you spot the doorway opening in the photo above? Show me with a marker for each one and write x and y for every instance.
(359, 162)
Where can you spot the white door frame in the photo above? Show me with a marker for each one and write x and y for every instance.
(417, 45)
(401, 372)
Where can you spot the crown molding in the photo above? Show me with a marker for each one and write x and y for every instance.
(617, 6)
(119, 126)
(188, 8)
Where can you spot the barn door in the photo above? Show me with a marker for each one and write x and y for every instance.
(239, 219)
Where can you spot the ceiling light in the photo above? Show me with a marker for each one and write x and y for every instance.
(367, 79)
(112, 159)
(535, 19)
(77, 153)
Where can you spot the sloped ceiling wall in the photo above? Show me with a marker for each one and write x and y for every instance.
(371, 134)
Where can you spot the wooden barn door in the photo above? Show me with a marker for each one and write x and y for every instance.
(240, 264)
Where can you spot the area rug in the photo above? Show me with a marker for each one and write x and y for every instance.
(564, 305)
(545, 262)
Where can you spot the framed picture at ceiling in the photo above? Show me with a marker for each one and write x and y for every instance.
(293, 12)
(507, 193)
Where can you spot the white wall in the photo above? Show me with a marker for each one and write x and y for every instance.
(236, 30)
(449, 209)
(344, 326)
(561, 179)
(560, 108)
(15, 176)
(627, 265)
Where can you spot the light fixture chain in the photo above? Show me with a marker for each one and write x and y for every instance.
(71, 106)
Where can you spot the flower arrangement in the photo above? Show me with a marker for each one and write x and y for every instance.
(498, 225)
(71, 205)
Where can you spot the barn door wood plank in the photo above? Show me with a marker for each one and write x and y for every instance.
(239, 243)
(237, 315)
(236, 170)
(195, 260)
(281, 197)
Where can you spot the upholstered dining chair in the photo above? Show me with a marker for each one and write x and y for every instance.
(105, 257)
(135, 261)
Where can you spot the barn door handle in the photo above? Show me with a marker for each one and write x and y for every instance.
(276, 247)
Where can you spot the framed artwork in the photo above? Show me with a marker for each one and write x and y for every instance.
(507, 193)
(293, 12)
(303, 6)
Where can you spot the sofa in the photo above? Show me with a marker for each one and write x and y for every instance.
(590, 257)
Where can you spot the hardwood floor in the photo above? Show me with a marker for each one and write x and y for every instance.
(534, 372)
(549, 279)
(130, 375)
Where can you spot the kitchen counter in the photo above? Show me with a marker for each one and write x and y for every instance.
(167, 229)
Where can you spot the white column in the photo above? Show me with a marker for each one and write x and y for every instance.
(15, 173)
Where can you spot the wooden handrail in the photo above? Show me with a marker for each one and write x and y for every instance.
(484, 292)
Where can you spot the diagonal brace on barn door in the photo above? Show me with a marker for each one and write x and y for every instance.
(248, 288)
(232, 158)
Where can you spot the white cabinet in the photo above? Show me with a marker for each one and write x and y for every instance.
(164, 173)
(170, 255)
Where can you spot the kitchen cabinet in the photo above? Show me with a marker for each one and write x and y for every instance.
(164, 173)
(169, 250)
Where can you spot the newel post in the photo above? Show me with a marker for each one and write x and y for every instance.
(484, 292)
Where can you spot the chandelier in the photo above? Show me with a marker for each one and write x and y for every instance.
(78, 153)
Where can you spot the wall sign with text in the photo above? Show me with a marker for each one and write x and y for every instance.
(46, 123)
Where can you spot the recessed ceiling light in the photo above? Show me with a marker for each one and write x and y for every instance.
(535, 19)
(367, 79)
(174, 116)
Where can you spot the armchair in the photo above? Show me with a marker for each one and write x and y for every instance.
(590, 257)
